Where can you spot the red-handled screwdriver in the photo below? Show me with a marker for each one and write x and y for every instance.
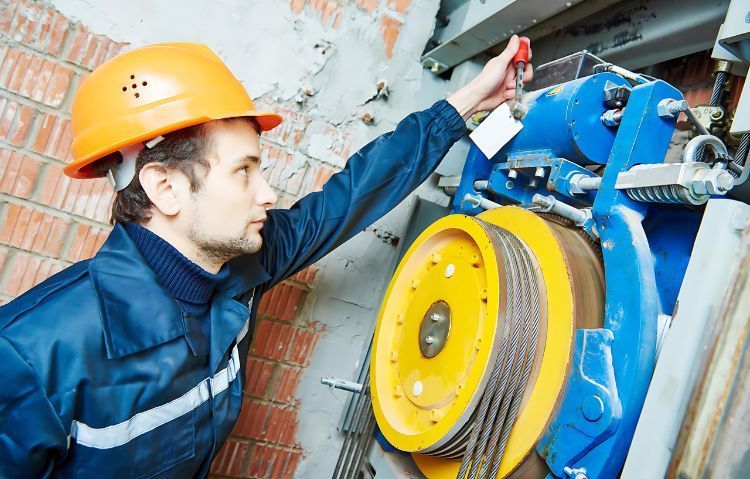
(520, 61)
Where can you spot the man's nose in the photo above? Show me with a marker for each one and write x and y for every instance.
(265, 196)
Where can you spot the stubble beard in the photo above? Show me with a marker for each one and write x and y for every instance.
(220, 249)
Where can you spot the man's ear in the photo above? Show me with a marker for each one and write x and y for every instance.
(163, 187)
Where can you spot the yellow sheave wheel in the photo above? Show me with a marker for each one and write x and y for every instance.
(438, 332)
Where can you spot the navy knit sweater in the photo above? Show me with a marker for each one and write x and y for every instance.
(189, 284)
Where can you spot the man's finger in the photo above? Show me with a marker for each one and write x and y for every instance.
(528, 73)
(510, 50)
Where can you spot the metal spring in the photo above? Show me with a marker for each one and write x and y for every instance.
(672, 194)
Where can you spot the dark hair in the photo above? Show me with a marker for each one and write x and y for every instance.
(184, 150)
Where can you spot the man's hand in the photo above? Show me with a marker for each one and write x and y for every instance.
(495, 84)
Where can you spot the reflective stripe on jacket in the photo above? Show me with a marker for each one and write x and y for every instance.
(102, 374)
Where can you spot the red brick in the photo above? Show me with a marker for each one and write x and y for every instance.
(18, 173)
(14, 84)
(281, 425)
(281, 302)
(272, 340)
(297, 6)
(8, 109)
(267, 462)
(27, 270)
(57, 88)
(252, 420)
(303, 346)
(231, 459)
(60, 26)
(21, 124)
(40, 86)
(8, 68)
(86, 242)
(3, 258)
(306, 276)
(399, 5)
(31, 77)
(33, 230)
(54, 186)
(258, 377)
(320, 175)
(7, 12)
(369, 5)
(289, 378)
(389, 29)
(78, 44)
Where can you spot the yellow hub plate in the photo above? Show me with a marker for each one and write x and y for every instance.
(418, 400)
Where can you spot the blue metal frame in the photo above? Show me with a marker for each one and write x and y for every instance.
(645, 250)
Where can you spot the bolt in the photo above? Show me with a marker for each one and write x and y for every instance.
(436, 415)
(724, 182)
(716, 114)
(449, 270)
(429, 340)
(533, 183)
(397, 391)
(435, 67)
(539, 172)
(593, 408)
(435, 317)
(509, 184)
(579, 473)
(436, 258)
(669, 108)
(512, 174)
(417, 388)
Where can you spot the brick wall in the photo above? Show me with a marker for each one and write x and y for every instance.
(48, 221)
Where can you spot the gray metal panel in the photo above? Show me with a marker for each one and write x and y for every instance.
(635, 34)
(476, 26)
(716, 249)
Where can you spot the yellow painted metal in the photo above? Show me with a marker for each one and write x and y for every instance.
(396, 362)
(417, 400)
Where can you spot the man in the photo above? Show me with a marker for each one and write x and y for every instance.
(131, 364)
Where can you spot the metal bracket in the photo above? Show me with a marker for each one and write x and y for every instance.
(591, 409)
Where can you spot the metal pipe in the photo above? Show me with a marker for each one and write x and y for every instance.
(695, 145)
(481, 202)
(343, 384)
(481, 185)
(552, 205)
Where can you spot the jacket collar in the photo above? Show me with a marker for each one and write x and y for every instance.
(137, 313)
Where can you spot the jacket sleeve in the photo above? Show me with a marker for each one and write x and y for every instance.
(31, 434)
(376, 179)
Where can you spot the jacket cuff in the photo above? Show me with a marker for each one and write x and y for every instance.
(449, 120)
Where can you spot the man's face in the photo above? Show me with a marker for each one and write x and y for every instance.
(226, 214)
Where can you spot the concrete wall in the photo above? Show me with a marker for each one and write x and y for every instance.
(318, 62)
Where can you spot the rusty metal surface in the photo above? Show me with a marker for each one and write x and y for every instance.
(715, 435)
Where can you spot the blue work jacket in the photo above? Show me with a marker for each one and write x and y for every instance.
(102, 375)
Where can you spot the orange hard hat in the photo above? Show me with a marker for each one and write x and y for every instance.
(151, 91)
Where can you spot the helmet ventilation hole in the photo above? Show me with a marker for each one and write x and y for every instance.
(137, 95)
(132, 77)
(124, 88)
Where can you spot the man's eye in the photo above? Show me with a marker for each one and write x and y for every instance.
(244, 170)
